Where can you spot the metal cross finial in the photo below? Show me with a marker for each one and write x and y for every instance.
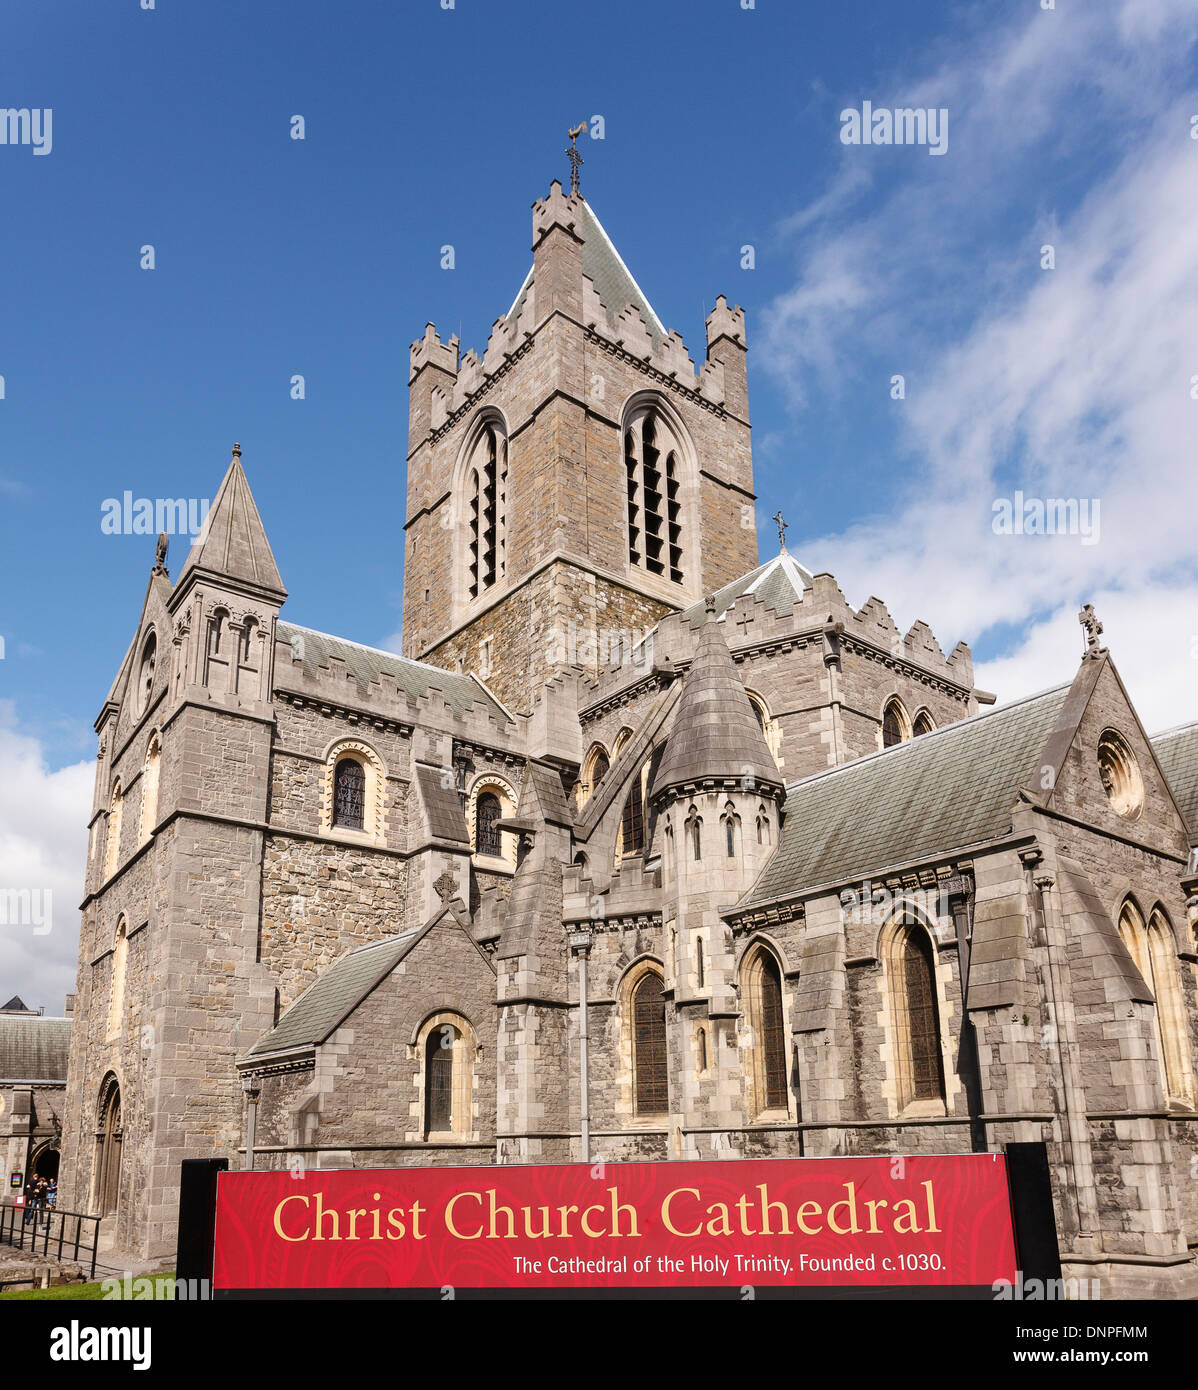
(782, 528)
(1093, 629)
(575, 158)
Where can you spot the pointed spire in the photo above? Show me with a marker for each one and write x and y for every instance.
(716, 736)
(232, 542)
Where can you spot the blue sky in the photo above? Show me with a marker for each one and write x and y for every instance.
(1068, 126)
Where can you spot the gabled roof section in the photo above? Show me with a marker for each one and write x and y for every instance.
(946, 790)
(603, 265)
(33, 1048)
(780, 583)
(1177, 752)
(232, 542)
(715, 732)
(333, 996)
(416, 678)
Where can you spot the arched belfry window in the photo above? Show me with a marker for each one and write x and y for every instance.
(915, 1015)
(486, 493)
(653, 461)
(349, 786)
(923, 724)
(650, 1071)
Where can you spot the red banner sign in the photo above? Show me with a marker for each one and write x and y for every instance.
(797, 1222)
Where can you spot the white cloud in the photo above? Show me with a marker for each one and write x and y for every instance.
(1066, 383)
(43, 845)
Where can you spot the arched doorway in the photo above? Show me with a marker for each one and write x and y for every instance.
(108, 1147)
(44, 1163)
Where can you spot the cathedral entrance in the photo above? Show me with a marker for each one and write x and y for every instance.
(108, 1148)
(44, 1163)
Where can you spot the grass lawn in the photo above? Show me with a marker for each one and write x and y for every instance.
(58, 1291)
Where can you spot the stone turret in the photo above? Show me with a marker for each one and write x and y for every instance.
(716, 793)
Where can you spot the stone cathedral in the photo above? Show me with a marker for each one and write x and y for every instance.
(643, 849)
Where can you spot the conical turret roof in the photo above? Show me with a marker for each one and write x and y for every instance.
(232, 542)
(716, 736)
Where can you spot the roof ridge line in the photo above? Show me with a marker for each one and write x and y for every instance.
(1174, 729)
(380, 651)
(620, 259)
(956, 726)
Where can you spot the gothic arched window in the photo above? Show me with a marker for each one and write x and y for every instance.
(923, 724)
(488, 813)
(1155, 953)
(896, 727)
(767, 1032)
(486, 488)
(632, 823)
(116, 993)
(650, 1073)
(349, 786)
(653, 463)
(149, 787)
(915, 1011)
(112, 847)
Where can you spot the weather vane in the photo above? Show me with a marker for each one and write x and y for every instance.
(782, 528)
(575, 157)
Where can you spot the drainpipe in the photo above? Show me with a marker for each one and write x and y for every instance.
(249, 1084)
(580, 946)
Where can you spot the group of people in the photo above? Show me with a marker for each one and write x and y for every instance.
(40, 1197)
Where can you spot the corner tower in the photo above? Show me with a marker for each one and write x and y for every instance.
(579, 481)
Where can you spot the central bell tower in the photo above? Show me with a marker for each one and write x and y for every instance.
(579, 481)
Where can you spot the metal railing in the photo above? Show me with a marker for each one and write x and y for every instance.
(49, 1231)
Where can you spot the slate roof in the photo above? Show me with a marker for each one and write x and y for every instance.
(366, 664)
(323, 1006)
(445, 818)
(1177, 752)
(602, 265)
(948, 789)
(232, 540)
(715, 732)
(779, 583)
(33, 1048)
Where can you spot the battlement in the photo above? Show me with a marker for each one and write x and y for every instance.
(556, 209)
(772, 614)
(726, 322)
(368, 684)
(430, 351)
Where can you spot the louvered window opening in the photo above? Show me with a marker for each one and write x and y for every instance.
(487, 835)
(349, 783)
(649, 1047)
(654, 501)
(488, 505)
